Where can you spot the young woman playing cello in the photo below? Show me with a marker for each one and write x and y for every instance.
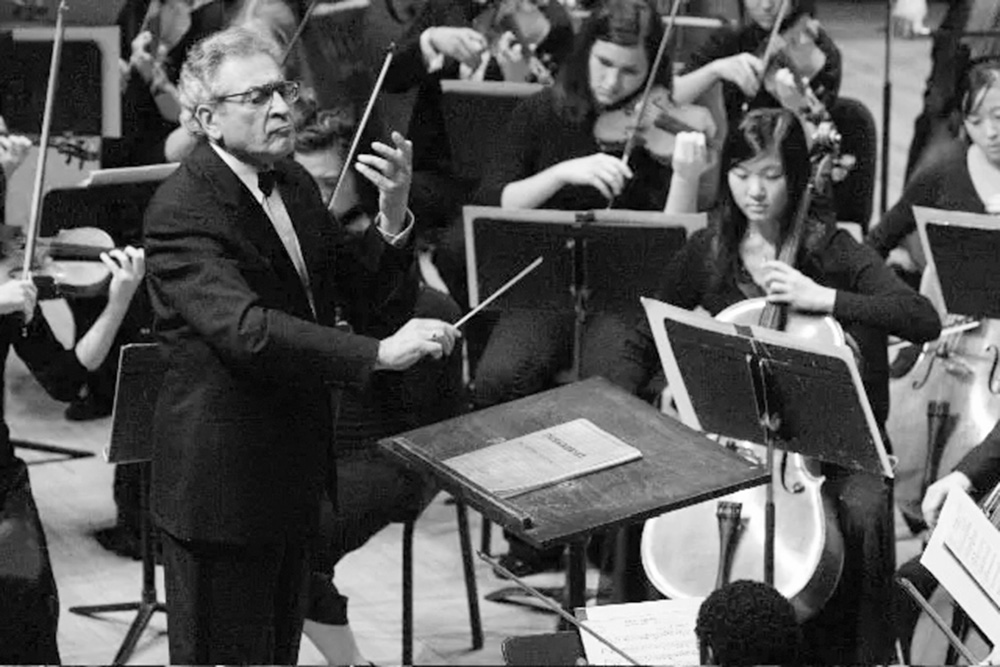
(766, 165)
(552, 159)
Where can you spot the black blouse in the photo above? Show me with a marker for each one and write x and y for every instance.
(538, 137)
(871, 304)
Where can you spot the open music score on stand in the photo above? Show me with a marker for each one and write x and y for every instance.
(678, 467)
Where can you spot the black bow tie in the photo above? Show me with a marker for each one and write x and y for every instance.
(266, 181)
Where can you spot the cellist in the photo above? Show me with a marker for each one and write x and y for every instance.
(765, 161)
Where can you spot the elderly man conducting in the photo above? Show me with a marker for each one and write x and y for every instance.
(251, 284)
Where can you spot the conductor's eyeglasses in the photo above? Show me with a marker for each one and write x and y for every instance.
(260, 95)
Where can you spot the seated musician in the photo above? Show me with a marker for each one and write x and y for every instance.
(441, 43)
(552, 159)
(29, 612)
(767, 166)
(977, 474)
(964, 176)
(372, 489)
(734, 58)
(748, 623)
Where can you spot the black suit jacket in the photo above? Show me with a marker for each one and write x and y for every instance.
(243, 430)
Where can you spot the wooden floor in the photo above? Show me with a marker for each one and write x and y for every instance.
(74, 497)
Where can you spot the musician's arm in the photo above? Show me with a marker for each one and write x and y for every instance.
(982, 464)
(826, 83)
(702, 69)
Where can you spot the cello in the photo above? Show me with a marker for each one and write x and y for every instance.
(930, 645)
(954, 382)
(808, 546)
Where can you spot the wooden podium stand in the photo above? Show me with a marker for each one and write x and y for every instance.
(679, 467)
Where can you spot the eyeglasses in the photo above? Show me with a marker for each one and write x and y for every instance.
(260, 95)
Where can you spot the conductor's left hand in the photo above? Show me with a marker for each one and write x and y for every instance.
(390, 169)
(415, 340)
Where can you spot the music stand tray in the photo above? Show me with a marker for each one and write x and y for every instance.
(962, 250)
(678, 467)
(140, 375)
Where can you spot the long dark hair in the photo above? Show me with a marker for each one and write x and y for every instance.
(620, 22)
(761, 132)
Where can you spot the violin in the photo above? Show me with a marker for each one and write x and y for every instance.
(529, 26)
(657, 130)
(67, 265)
(68, 145)
(794, 48)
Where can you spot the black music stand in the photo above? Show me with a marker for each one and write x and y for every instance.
(679, 467)
(140, 374)
(596, 261)
(962, 251)
(766, 386)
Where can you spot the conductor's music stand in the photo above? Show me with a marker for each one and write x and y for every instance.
(679, 467)
(760, 385)
(140, 374)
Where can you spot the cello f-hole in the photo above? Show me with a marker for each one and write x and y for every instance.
(992, 383)
(931, 359)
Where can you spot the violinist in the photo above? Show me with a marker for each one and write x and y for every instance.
(29, 614)
(552, 159)
(735, 57)
(372, 488)
(963, 175)
(766, 165)
(443, 44)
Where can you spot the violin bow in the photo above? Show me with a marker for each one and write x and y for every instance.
(349, 158)
(771, 40)
(657, 61)
(43, 142)
(299, 29)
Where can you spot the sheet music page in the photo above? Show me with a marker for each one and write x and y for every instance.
(964, 555)
(660, 632)
(543, 458)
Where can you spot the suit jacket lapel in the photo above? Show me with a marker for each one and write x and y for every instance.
(253, 223)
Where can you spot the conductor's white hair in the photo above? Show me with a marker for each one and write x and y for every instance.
(198, 80)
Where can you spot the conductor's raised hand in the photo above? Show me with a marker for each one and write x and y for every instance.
(127, 267)
(415, 340)
(390, 169)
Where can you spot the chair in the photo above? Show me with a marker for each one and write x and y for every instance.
(854, 196)
(471, 591)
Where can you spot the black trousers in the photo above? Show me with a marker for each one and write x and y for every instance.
(235, 604)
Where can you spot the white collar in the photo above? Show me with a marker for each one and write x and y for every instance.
(244, 171)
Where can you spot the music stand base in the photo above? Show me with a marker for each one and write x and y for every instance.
(145, 614)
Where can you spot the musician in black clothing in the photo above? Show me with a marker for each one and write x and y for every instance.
(767, 169)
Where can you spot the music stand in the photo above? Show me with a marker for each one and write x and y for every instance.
(595, 261)
(474, 114)
(140, 375)
(761, 385)
(679, 467)
(962, 251)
